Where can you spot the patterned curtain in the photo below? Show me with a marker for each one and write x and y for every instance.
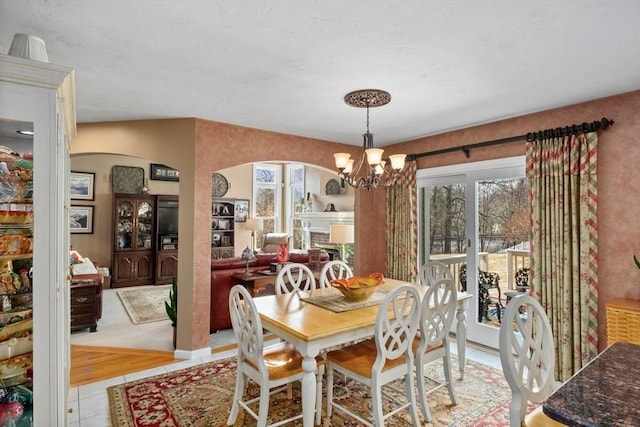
(401, 226)
(564, 247)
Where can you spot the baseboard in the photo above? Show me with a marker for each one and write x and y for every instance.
(192, 354)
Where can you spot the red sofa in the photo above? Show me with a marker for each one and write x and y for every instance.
(222, 271)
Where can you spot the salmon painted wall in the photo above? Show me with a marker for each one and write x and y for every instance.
(618, 185)
(198, 148)
(202, 147)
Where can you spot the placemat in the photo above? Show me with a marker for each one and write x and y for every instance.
(338, 303)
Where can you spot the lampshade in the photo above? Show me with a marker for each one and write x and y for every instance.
(340, 233)
(247, 254)
(253, 224)
(28, 47)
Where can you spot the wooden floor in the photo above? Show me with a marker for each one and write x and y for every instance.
(90, 363)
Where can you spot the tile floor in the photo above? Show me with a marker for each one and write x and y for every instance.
(91, 405)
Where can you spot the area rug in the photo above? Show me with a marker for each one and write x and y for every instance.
(202, 395)
(145, 304)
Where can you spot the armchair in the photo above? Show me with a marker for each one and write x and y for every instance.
(486, 280)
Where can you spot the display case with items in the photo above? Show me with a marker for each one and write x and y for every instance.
(134, 230)
(16, 313)
(222, 228)
(37, 119)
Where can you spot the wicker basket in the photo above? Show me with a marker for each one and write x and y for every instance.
(623, 321)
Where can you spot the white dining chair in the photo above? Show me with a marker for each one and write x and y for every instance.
(382, 359)
(431, 271)
(273, 367)
(432, 342)
(294, 277)
(527, 356)
(333, 270)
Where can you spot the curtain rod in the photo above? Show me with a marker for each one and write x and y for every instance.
(603, 124)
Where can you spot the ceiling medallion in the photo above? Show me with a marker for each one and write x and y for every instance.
(372, 170)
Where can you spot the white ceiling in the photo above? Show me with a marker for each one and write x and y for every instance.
(286, 65)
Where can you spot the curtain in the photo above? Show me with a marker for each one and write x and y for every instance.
(401, 226)
(564, 245)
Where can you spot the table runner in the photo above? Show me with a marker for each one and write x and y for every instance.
(338, 303)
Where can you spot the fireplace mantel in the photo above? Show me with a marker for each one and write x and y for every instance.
(320, 222)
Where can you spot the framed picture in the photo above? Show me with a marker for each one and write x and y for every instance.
(81, 219)
(164, 173)
(81, 185)
(242, 210)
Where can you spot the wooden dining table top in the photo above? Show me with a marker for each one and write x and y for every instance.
(310, 322)
(605, 392)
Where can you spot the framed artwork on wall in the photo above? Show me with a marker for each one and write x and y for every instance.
(164, 173)
(81, 219)
(81, 185)
(241, 210)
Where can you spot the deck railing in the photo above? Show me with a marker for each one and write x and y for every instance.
(455, 261)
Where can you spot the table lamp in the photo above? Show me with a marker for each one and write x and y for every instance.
(253, 224)
(341, 234)
(247, 256)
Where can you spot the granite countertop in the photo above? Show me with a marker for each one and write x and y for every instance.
(603, 393)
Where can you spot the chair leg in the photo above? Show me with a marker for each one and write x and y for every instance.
(237, 396)
(329, 390)
(446, 363)
(422, 392)
(409, 381)
(263, 412)
(376, 403)
(319, 376)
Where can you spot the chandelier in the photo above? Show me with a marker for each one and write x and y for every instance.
(372, 170)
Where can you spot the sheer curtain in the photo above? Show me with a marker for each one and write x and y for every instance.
(401, 226)
(563, 182)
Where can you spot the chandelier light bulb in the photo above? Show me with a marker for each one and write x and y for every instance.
(397, 161)
(342, 159)
(374, 155)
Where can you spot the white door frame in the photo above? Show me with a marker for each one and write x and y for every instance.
(469, 174)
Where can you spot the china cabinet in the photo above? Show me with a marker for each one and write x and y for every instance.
(166, 239)
(39, 97)
(134, 230)
(222, 228)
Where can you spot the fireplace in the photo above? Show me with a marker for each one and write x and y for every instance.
(315, 229)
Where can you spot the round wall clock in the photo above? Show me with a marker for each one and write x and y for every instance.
(219, 185)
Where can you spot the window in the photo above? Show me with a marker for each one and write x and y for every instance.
(267, 195)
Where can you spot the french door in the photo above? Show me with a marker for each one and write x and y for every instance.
(474, 218)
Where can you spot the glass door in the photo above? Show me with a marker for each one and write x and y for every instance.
(472, 217)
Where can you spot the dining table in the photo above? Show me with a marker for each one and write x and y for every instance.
(605, 392)
(319, 319)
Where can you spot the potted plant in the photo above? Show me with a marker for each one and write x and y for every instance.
(171, 307)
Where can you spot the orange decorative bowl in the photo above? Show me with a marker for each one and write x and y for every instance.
(358, 288)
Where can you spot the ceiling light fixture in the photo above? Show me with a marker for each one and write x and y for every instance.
(375, 170)
(25, 132)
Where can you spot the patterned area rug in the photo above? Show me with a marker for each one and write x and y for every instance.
(145, 304)
(202, 396)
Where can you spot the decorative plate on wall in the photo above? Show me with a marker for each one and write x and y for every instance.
(219, 185)
(332, 188)
(127, 179)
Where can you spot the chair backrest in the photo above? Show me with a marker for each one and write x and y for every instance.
(486, 279)
(437, 313)
(247, 327)
(526, 353)
(294, 277)
(271, 242)
(396, 325)
(334, 270)
(522, 279)
(433, 270)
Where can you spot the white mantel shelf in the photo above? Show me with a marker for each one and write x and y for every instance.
(320, 222)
